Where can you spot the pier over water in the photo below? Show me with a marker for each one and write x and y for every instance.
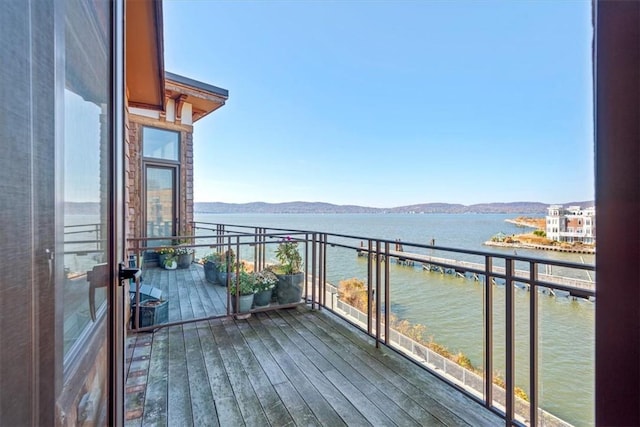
(573, 286)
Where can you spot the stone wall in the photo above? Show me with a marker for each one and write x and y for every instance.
(134, 172)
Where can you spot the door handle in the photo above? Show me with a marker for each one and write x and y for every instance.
(125, 273)
(50, 257)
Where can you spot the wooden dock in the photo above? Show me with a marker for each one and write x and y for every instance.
(451, 266)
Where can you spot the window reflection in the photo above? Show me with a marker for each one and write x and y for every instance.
(85, 178)
(84, 223)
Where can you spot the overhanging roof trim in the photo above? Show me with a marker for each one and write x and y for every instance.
(197, 84)
(144, 54)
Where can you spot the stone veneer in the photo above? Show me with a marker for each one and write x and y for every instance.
(134, 171)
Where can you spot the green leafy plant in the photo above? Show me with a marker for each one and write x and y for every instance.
(289, 257)
(215, 257)
(169, 260)
(265, 280)
(245, 283)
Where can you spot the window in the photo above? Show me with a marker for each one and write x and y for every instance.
(160, 144)
(161, 152)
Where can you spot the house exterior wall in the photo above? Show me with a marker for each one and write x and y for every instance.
(135, 199)
(571, 224)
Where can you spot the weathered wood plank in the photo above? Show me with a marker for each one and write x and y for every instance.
(320, 395)
(195, 301)
(227, 408)
(443, 401)
(202, 293)
(374, 398)
(248, 402)
(155, 404)
(218, 297)
(357, 358)
(186, 310)
(179, 399)
(173, 295)
(254, 359)
(383, 360)
(202, 403)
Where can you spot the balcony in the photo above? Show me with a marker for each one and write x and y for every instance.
(329, 362)
(286, 367)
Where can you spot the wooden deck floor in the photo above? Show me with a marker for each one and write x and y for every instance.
(279, 368)
(189, 295)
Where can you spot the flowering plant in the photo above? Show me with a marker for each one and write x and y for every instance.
(265, 280)
(164, 251)
(182, 251)
(289, 257)
(245, 282)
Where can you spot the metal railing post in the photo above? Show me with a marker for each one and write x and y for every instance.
(369, 287)
(488, 331)
(510, 341)
(533, 343)
(227, 258)
(237, 305)
(387, 292)
(323, 271)
(264, 247)
(256, 249)
(313, 270)
(377, 293)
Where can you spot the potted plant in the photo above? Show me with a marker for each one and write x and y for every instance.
(244, 288)
(265, 282)
(170, 262)
(289, 272)
(184, 256)
(227, 267)
(211, 264)
(163, 254)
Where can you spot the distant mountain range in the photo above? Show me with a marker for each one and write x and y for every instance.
(530, 208)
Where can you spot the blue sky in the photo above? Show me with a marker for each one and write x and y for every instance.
(389, 103)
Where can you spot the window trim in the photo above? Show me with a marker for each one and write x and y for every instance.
(175, 166)
(158, 159)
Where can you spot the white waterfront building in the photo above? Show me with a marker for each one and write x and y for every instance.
(571, 224)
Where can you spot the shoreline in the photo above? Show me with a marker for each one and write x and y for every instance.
(522, 223)
(589, 251)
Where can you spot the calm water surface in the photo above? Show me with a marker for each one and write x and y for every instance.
(452, 308)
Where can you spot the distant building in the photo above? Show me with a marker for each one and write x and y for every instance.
(572, 224)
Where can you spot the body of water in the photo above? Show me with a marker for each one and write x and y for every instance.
(452, 308)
